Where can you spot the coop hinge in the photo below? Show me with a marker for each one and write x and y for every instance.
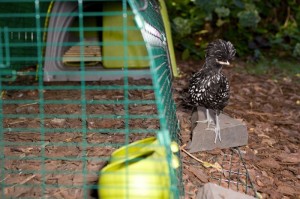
(4, 48)
(6, 73)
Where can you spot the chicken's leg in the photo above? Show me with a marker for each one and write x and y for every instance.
(217, 129)
(208, 120)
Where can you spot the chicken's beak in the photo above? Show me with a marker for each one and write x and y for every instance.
(223, 63)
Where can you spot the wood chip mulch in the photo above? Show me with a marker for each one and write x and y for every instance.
(271, 110)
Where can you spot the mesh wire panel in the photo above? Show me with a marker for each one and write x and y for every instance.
(234, 174)
(57, 135)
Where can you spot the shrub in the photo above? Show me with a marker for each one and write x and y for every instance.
(253, 26)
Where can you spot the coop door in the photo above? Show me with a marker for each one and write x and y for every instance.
(114, 55)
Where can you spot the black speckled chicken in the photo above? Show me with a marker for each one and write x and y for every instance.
(209, 87)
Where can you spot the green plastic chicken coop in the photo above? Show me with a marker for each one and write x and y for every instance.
(78, 80)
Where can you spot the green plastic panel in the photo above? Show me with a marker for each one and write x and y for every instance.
(20, 20)
(137, 49)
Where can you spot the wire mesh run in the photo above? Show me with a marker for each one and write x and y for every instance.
(63, 159)
(58, 132)
(234, 174)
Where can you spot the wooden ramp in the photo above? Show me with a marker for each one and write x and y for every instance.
(91, 55)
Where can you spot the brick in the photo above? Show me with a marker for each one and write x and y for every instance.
(233, 133)
(213, 191)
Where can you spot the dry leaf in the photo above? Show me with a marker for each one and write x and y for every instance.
(289, 158)
(287, 190)
(260, 183)
(269, 141)
(270, 163)
(198, 173)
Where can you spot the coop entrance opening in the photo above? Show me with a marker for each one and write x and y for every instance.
(89, 51)
(106, 38)
(104, 29)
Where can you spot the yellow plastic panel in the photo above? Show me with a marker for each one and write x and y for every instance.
(113, 54)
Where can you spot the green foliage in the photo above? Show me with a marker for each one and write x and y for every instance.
(274, 67)
(253, 26)
(222, 12)
(296, 52)
(249, 17)
(182, 27)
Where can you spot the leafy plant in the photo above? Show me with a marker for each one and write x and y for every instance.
(249, 17)
(275, 67)
(255, 27)
(296, 52)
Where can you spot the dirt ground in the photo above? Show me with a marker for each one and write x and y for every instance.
(57, 155)
(271, 110)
